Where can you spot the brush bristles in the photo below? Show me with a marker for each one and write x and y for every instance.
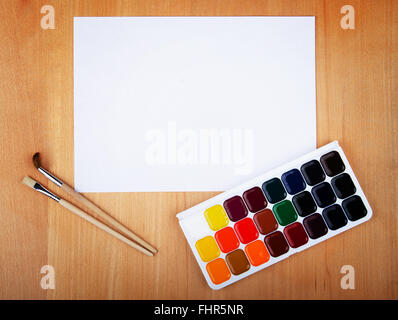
(36, 160)
(29, 182)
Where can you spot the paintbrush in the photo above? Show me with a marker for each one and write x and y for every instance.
(78, 197)
(38, 187)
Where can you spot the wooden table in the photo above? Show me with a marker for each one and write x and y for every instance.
(357, 82)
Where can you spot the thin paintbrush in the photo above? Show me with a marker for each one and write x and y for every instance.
(38, 187)
(78, 197)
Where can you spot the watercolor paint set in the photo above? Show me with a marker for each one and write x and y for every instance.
(275, 215)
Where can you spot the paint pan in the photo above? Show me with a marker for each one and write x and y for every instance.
(275, 215)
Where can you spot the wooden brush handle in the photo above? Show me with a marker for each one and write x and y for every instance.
(77, 196)
(102, 226)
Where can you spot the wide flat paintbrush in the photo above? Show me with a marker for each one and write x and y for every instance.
(38, 187)
(98, 211)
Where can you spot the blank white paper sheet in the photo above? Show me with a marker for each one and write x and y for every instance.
(190, 103)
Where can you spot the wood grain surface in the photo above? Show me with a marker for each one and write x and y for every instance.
(357, 103)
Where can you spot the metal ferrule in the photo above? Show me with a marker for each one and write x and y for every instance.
(44, 191)
(51, 177)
